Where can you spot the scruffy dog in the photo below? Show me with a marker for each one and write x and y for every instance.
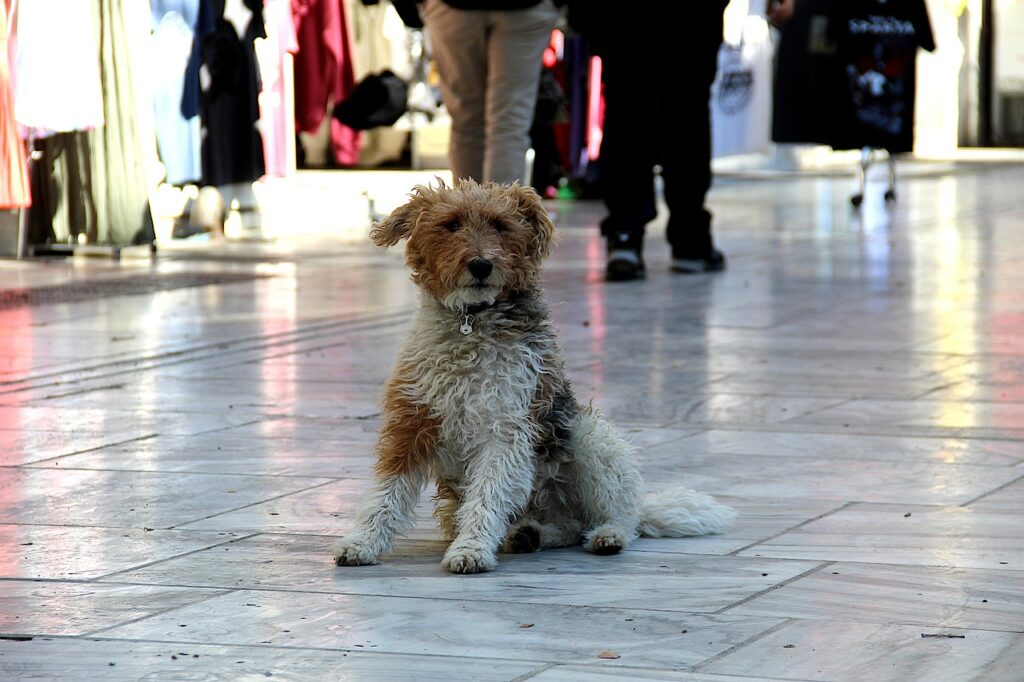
(479, 401)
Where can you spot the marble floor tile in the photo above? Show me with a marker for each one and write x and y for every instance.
(80, 553)
(914, 482)
(462, 628)
(905, 535)
(591, 673)
(846, 651)
(219, 453)
(860, 447)
(77, 497)
(848, 368)
(635, 579)
(304, 430)
(918, 595)
(708, 408)
(943, 414)
(1009, 499)
(117, 419)
(757, 519)
(100, 659)
(19, 446)
(34, 608)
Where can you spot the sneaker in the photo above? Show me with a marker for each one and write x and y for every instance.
(623, 265)
(712, 263)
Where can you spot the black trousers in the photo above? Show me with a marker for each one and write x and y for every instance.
(657, 87)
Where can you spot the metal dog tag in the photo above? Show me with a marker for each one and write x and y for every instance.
(467, 325)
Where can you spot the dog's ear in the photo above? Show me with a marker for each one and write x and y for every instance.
(532, 209)
(395, 227)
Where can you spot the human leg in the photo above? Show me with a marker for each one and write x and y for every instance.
(626, 164)
(458, 41)
(686, 159)
(517, 41)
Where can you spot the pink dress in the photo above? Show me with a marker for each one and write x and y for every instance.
(276, 122)
(14, 186)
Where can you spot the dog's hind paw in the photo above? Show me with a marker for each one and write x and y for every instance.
(353, 553)
(522, 539)
(468, 560)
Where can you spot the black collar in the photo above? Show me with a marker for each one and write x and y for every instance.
(476, 308)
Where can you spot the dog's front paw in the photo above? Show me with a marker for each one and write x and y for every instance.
(351, 551)
(606, 540)
(468, 559)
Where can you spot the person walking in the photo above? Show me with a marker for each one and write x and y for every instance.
(488, 58)
(657, 72)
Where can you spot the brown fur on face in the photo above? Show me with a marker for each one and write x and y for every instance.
(447, 227)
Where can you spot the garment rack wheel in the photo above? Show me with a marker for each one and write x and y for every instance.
(867, 155)
(866, 158)
(890, 194)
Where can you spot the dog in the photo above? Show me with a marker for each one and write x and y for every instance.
(480, 402)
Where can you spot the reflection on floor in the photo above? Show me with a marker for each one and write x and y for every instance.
(174, 462)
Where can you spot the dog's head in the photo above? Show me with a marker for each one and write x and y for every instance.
(470, 243)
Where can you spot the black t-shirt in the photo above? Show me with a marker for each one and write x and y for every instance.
(876, 53)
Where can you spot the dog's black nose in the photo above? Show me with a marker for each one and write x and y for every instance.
(480, 267)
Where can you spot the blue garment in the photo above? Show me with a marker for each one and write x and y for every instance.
(177, 134)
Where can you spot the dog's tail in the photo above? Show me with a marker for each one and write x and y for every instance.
(681, 512)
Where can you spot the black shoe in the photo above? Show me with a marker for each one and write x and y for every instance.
(624, 265)
(711, 263)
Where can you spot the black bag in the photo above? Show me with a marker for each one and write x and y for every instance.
(380, 99)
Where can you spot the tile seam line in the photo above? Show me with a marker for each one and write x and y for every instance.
(192, 472)
(216, 593)
(269, 341)
(28, 465)
(736, 647)
(821, 428)
(255, 589)
(246, 343)
(274, 647)
(154, 363)
(823, 565)
(106, 579)
(533, 673)
(818, 429)
(178, 526)
(993, 491)
(128, 356)
(846, 505)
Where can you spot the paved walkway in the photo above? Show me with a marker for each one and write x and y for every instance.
(180, 442)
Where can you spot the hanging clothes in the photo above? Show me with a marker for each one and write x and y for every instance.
(94, 182)
(876, 47)
(380, 41)
(72, 97)
(178, 136)
(805, 86)
(324, 73)
(232, 147)
(14, 185)
(276, 120)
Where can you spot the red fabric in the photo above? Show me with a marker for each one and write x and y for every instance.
(324, 72)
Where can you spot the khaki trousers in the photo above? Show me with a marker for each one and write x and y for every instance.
(489, 65)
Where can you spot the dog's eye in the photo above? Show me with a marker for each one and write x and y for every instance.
(500, 226)
(452, 226)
